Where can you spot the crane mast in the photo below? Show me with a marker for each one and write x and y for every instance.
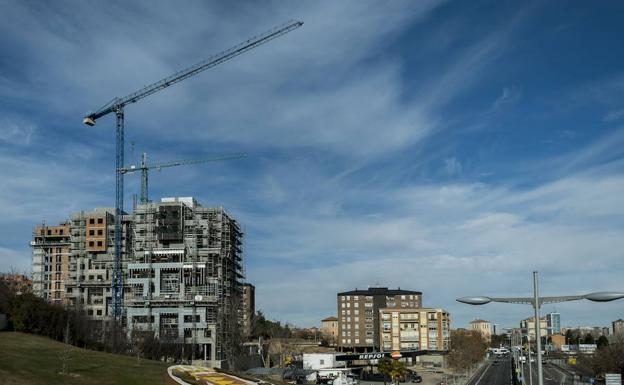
(117, 106)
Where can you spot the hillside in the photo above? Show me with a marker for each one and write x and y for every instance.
(27, 359)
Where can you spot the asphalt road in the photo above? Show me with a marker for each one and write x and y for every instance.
(493, 373)
(553, 375)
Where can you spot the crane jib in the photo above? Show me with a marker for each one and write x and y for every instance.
(193, 70)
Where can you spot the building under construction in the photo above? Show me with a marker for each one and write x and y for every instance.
(182, 266)
(51, 249)
(92, 259)
(185, 275)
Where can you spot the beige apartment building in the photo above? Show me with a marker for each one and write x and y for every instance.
(482, 326)
(528, 326)
(414, 329)
(358, 315)
(329, 329)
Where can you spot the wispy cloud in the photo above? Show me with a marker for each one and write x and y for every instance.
(360, 163)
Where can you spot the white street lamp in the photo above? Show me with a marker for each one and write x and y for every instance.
(536, 301)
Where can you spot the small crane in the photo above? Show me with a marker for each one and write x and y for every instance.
(117, 106)
(144, 167)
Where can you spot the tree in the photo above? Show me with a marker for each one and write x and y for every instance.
(602, 342)
(568, 336)
(607, 359)
(467, 349)
(392, 368)
(498, 339)
(589, 339)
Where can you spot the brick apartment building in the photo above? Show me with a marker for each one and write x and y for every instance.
(358, 315)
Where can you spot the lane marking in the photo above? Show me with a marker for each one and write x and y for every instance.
(483, 374)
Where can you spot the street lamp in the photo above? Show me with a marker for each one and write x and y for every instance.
(536, 301)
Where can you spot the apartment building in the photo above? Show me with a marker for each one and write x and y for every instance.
(358, 315)
(51, 251)
(249, 308)
(618, 327)
(329, 329)
(553, 323)
(482, 326)
(16, 283)
(414, 329)
(184, 277)
(528, 326)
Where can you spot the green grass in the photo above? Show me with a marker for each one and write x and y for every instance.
(27, 359)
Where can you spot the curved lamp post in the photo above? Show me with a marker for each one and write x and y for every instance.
(536, 301)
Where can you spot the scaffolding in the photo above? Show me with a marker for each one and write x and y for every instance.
(186, 261)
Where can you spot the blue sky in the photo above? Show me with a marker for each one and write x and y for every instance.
(446, 147)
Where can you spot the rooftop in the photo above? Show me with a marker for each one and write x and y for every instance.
(380, 291)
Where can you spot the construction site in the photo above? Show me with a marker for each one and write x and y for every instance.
(173, 269)
(183, 272)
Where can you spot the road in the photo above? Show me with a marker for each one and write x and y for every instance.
(553, 375)
(494, 372)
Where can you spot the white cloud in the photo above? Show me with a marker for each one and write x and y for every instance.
(16, 132)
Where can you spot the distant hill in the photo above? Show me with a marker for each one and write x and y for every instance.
(27, 359)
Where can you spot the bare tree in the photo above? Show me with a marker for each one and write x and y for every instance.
(66, 353)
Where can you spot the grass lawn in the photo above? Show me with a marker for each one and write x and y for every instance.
(27, 359)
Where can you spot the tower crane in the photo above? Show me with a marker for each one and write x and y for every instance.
(144, 167)
(117, 106)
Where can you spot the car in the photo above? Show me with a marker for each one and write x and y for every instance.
(495, 362)
(417, 378)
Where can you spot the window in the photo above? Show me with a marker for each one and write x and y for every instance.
(99, 312)
(91, 243)
(91, 232)
(100, 221)
(322, 362)
(91, 221)
(100, 232)
(99, 243)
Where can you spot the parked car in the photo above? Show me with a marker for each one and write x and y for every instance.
(416, 378)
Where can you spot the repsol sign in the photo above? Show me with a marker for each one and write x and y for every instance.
(371, 356)
(362, 356)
